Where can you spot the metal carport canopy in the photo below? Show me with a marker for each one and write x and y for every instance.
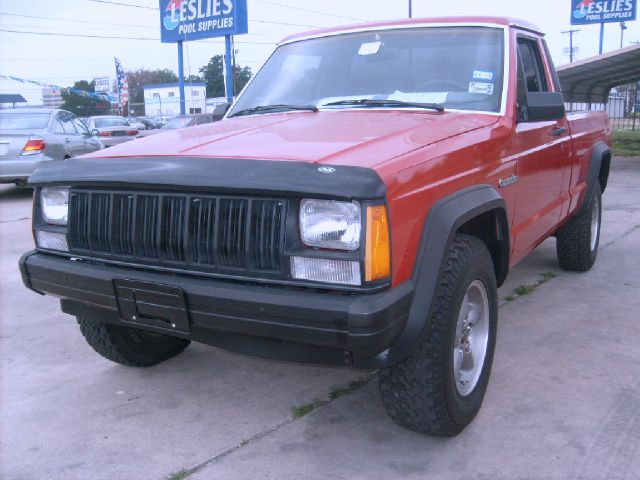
(590, 80)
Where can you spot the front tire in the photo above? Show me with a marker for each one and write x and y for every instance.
(130, 346)
(439, 389)
(578, 241)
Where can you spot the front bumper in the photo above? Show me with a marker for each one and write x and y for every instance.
(284, 323)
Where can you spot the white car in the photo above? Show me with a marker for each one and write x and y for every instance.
(112, 129)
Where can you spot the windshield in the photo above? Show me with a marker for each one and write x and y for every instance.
(110, 122)
(178, 122)
(24, 121)
(458, 67)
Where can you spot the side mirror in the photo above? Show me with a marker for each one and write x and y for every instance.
(95, 132)
(543, 106)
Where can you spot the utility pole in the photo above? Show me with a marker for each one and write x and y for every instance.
(623, 27)
(571, 32)
(601, 38)
(410, 9)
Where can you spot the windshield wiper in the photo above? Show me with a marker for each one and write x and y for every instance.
(368, 102)
(273, 108)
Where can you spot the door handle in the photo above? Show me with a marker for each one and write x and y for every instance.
(556, 132)
(67, 140)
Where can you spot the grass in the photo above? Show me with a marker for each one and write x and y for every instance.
(526, 289)
(626, 144)
(179, 475)
(301, 410)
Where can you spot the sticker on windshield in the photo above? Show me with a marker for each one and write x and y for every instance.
(482, 75)
(481, 87)
(370, 48)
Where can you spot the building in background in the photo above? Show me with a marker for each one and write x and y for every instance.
(12, 100)
(163, 100)
(102, 85)
(32, 93)
(52, 97)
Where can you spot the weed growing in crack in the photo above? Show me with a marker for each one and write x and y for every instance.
(526, 289)
(179, 475)
(302, 410)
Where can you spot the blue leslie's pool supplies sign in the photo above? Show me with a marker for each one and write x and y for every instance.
(586, 12)
(184, 20)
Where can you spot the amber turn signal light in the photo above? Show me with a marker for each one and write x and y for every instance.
(377, 263)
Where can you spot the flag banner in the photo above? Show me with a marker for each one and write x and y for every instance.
(75, 91)
(123, 86)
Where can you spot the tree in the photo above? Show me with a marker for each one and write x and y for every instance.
(83, 106)
(213, 74)
(141, 77)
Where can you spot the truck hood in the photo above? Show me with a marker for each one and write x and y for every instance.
(362, 138)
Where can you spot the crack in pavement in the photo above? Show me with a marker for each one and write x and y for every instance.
(363, 380)
(622, 237)
(15, 220)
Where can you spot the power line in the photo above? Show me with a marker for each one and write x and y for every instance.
(307, 10)
(123, 4)
(285, 23)
(76, 21)
(113, 37)
(128, 25)
(94, 29)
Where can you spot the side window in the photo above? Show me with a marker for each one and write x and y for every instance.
(57, 125)
(554, 73)
(521, 100)
(80, 126)
(66, 123)
(531, 63)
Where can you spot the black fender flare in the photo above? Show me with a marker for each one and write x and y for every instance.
(601, 153)
(441, 225)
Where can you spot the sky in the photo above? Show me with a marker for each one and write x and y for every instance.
(60, 60)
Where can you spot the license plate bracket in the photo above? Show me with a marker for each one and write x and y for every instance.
(162, 307)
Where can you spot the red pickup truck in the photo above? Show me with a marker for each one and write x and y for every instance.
(359, 205)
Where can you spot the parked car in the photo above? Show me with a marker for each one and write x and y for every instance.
(29, 137)
(361, 211)
(183, 121)
(160, 121)
(112, 129)
(137, 123)
(149, 123)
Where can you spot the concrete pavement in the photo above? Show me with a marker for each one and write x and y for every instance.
(563, 401)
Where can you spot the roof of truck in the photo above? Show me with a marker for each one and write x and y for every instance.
(390, 24)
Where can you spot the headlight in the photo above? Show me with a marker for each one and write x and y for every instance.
(55, 205)
(330, 224)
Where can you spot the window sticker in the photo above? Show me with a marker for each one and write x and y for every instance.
(370, 48)
(481, 87)
(482, 75)
(421, 97)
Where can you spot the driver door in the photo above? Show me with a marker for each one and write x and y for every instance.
(542, 160)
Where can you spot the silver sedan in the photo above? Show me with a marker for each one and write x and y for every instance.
(31, 136)
(112, 129)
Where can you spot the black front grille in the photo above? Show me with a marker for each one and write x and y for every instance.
(201, 232)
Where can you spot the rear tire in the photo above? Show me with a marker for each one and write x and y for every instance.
(578, 241)
(130, 346)
(439, 389)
